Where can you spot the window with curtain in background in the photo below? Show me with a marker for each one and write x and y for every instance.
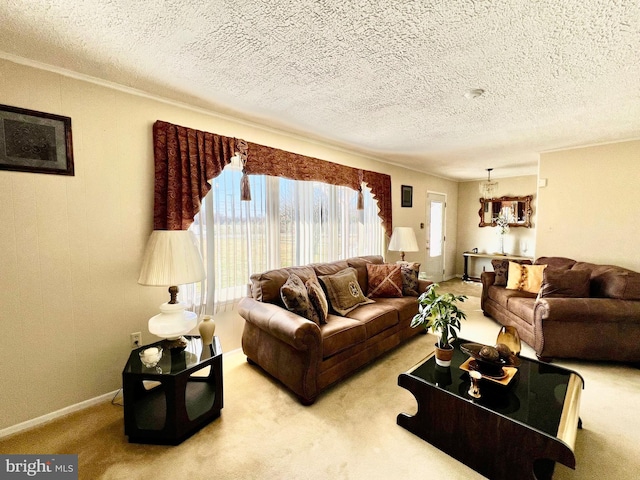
(286, 223)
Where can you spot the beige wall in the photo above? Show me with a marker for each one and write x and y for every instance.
(590, 208)
(417, 214)
(485, 239)
(71, 247)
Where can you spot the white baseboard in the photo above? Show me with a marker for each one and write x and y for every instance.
(34, 422)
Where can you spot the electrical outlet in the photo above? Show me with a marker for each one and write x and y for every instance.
(135, 339)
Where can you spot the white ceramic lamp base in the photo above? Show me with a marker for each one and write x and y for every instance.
(172, 323)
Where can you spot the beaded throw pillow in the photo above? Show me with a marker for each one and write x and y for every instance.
(527, 278)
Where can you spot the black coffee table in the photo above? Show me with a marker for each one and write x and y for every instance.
(512, 431)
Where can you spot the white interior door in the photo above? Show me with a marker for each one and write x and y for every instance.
(436, 214)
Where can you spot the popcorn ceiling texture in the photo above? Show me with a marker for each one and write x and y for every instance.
(384, 78)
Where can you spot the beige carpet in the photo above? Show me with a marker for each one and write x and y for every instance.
(349, 433)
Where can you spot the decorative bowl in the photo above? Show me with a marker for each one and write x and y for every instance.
(489, 366)
(150, 356)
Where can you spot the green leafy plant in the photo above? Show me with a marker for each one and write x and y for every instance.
(440, 314)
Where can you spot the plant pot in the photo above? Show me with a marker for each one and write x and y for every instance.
(444, 356)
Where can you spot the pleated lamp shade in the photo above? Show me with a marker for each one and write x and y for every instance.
(403, 239)
(172, 258)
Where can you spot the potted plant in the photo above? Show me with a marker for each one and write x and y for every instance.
(440, 314)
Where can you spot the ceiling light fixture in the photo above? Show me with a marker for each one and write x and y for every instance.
(474, 93)
(488, 189)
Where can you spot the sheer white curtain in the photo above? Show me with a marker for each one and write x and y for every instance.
(286, 223)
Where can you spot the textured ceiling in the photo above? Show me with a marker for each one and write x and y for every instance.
(383, 78)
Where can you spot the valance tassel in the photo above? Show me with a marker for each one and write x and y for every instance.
(242, 152)
(245, 188)
(360, 205)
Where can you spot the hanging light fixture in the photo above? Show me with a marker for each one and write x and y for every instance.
(488, 189)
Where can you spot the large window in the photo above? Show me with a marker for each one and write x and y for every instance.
(286, 223)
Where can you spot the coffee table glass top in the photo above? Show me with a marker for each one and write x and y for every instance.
(535, 396)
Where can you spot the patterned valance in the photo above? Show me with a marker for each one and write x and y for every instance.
(186, 159)
(263, 160)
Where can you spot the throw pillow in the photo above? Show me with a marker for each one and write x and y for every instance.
(409, 271)
(318, 299)
(501, 267)
(295, 298)
(527, 278)
(384, 280)
(343, 291)
(565, 283)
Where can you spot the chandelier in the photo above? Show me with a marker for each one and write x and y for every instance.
(488, 189)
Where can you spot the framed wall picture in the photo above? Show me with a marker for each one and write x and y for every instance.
(36, 142)
(407, 196)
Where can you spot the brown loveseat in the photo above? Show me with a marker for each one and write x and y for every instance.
(582, 310)
(308, 357)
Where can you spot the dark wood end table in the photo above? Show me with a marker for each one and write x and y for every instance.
(186, 393)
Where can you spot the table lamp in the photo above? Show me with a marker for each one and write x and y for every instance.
(172, 258)
(403, 239)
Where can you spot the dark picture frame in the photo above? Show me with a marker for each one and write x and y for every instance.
(37, 142)
(407, 196)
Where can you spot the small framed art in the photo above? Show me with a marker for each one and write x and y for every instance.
(32, 141)
(407, 196)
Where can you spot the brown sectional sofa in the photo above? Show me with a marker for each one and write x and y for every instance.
(602, 324)
(308, 357)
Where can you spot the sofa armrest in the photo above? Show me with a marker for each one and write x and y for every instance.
(598, 310)
(589, 328)
(292, 329)
(487, 279)
(423, 285)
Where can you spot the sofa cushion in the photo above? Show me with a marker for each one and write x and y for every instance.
(501, 269)
(527, 278)
(522, 307)
(610, 281)
(318, 299)
(384, 280)
(344, 291)
(376, 317)
(406, 307)
(409, 271)
(556, 263)
(360, 264)
(341, 333)
(296, 300)
(265, 287)
(502, 296)
(329, 268)
(565, 283)
(620, 285)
